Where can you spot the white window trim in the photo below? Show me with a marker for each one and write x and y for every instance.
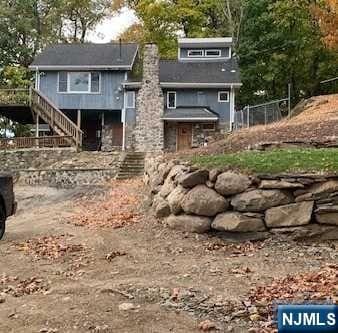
(195, 56)
(213, 56)
(126, 100)
(168, 93)
(219, 97)
(79, 92)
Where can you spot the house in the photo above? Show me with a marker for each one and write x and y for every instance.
(100, 95)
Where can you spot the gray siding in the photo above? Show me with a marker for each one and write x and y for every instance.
(184, 52)
(202, 97)
(109, 98)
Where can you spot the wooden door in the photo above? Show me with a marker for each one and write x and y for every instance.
(117, 137)
(184, 136)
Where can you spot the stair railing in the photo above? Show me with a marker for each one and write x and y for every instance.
(54, 117)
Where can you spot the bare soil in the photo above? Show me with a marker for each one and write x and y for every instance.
(56, 276)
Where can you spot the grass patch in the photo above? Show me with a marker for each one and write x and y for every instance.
(275, 161)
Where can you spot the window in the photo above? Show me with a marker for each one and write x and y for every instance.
(213, 53)
(63, 82)
(79, 82)
(195, 53)
(130, 100)
(171, 100)
(223, 96)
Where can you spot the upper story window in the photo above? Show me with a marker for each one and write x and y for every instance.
(223, 96)
(213, 53)
(171, 100)
(195, 53)
(130, 100)
(79, 82)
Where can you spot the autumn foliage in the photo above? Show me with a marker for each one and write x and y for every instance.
(327, 17)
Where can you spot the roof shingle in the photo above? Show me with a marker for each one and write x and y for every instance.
(87, 55)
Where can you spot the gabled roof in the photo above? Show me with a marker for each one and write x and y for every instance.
(87, 56)
(173, 72)
(199, 113)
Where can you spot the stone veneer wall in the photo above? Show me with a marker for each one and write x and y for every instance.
(149, 130)
(66, 178)
(197, 200)
(33, 158)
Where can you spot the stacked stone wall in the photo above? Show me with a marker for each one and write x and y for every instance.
(197, 200)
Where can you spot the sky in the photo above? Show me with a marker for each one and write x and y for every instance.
(110, 28)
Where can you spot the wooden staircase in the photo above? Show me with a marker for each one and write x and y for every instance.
(27, 104)
(41, 106)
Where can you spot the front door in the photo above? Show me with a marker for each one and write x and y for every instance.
(184, 136)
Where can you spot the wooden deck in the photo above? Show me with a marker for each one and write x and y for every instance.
(26, 104)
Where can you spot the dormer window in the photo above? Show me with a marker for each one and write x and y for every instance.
(195, 53)
(213, 53)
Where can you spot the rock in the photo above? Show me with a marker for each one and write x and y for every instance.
(167, 187)
(204, 201)
(176, 171)
(327, 187)
(260, 200)
(189, 223)
(279, 184)
(175, 199)
(210, 184)
(327, 214)
(213, 174)
(229, 183)
(192, 179)
(127, 306)
(237, 222)
(291, 215)
(320, 232)
(305, 197)
(164, 169)
(161, 206)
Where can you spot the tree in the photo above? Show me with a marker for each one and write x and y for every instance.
(327, 16)
(281, 44)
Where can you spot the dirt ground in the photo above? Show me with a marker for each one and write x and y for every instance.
(139, 278)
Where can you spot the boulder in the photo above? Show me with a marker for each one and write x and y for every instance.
(279, 184)
(327, 214)
(161, 207)
(175, 199)
(260, 200)
(192, 179)
(229, 183)
(237, 222)
(213, 174)
(291, 215)
(202, 200)
(176, 171)
(189, 223)
(167, 187)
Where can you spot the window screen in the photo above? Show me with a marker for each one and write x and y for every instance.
(171, 102)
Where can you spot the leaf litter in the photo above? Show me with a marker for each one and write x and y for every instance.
(115, 209)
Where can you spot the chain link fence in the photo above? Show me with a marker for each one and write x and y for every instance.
(261, 114)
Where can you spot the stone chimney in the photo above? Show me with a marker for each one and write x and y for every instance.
(149, 130)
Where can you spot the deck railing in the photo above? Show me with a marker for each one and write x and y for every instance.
(14, 96)
(35, 142)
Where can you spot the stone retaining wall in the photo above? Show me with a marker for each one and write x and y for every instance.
(66, 178)
(33, 158)
(197, 200)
